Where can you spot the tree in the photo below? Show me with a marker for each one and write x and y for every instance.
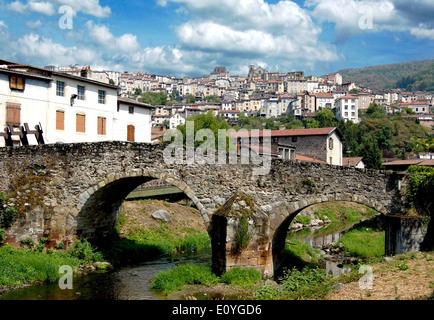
(310, 123)
(154, 98)
(371, 153)
(191, 98)
(112, 82)
(326, 118)
(375, 112)
(213, 98)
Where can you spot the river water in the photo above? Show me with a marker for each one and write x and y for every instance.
(134, 283)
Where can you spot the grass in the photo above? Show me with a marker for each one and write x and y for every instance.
(147, 244)
(173, 279)
(23, 266)
(364, 242)
(302, 250)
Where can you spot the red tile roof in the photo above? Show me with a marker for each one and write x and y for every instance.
(299, 157)
(351, 161)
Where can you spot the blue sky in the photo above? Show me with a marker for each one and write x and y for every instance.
(191, 37)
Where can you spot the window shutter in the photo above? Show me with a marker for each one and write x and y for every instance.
(13, 115)
(20, 83)
(130, 133)
(60, 120)
(81, 123)
(101, 126)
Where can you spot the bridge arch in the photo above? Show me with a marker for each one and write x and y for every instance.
(284, 213)
(98, 207)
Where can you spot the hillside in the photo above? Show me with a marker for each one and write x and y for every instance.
(420, 81)
(384, 76)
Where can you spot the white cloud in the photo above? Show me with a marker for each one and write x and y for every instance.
(387, 15)
(34, 24)
(422, 32)
(102, 35)
(89, 7)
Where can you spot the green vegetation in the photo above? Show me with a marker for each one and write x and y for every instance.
(242, 234)
(173, 279)
(26, 266)
(243, 277)
(384, 76)
(419, 81)
(7, 217)
(302, 250)
(154, 98)
(364, 242)
(420, 189)
(147, 244)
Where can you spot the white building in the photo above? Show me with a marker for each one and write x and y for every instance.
(176, 120)
(324, 100)
(347, 108)
(70, 109)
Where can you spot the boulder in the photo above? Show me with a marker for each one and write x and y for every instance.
(162, 215)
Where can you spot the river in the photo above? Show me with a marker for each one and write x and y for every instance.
(134, 283)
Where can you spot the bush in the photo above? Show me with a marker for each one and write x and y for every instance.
(173, 279)
(84, 251)
(241, 276)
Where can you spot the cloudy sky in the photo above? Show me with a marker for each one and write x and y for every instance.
(191, 37)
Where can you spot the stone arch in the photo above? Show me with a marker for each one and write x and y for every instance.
(282, 215)
(97, 207)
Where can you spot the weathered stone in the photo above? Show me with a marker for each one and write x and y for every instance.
(162, 215)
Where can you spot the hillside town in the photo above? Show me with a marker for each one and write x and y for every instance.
(77, 104)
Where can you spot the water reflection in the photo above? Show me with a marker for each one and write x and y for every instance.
(132, 283)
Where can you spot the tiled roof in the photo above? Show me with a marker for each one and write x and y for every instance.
(351, 161)
(299, 157)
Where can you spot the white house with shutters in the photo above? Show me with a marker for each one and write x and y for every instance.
(69, 108)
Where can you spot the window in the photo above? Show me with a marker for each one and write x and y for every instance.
(60, 88)
(101, 96)
(130, 133)
(80, 92)
(294, 139)
(60, 120)
(131, 110)
(16, 83)
(101, 126)
(331, 143)
(80, 123)
(13, 112)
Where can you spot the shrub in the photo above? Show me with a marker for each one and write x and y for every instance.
(84, 251)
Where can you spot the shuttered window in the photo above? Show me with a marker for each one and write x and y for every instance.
(60, 120)
(80, 123)
(130, 133)
(16, 82)
(101, 126)
(13, 112)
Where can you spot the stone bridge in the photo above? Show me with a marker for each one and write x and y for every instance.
(68, 191)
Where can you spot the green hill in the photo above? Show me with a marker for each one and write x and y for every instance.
(386, 76)
(420, 81)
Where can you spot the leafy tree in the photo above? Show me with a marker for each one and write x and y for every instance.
(154, 98)
(375, 112)
(326, 118)
(310, 123)
(191, 98)
(213, 98)
(371, 153)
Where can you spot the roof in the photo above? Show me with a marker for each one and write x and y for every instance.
(323, 95)
(261, 150)
(414, 103)
(414, 162)
(299, 157)
(351, 161)
(292, 132)
(135, 103)
(348, 96)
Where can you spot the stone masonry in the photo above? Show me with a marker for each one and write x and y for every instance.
(67, 191)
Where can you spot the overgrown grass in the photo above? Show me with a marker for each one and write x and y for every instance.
(173, 279)
(303, 250)
(243, 277)
(364, 242)
(21, 266)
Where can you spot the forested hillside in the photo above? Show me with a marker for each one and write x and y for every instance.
(386, 76)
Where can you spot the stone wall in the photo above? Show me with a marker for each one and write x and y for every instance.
(310, 146)
(66, 191)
